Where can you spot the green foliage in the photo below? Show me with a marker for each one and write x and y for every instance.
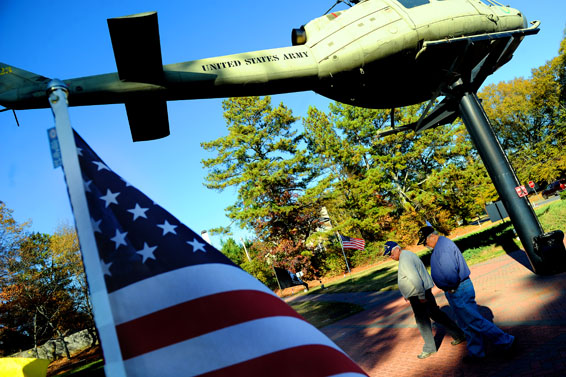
(262, 271)
(563, 195)
(233, 251)
(262, 159)
(529, 116)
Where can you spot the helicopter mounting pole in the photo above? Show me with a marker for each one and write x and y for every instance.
(545, 251)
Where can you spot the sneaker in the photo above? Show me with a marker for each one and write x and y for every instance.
(455, 342)
(424, 355)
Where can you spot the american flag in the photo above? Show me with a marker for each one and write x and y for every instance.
(180, 307)
(352, 243)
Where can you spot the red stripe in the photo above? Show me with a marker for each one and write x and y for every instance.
(312, 361)
(196, 317)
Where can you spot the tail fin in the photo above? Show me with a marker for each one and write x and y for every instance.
(16, 84)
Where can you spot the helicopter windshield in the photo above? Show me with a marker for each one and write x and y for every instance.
(413, 3)
(492, 3)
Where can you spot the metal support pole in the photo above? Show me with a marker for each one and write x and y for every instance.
(104, 320)
(343, 253)
(505, 181)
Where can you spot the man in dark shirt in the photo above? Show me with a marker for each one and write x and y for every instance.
(450, 273)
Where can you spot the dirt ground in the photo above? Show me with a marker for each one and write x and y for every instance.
(82, 358)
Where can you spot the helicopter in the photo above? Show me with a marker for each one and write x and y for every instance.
(376, 54)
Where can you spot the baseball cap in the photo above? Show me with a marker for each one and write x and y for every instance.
(389, 245)
(424, 232)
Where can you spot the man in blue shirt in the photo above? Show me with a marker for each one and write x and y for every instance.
(450, 273)
(416, 285)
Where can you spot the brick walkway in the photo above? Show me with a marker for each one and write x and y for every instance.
(384, 340)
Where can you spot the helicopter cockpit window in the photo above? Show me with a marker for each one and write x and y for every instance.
(413, 3)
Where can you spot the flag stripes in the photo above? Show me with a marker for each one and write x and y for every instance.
(352, 243)
(229, 346)
(184, 284)
(170, 325)
(310, 360)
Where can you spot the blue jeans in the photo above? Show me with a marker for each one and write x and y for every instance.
(474, 325)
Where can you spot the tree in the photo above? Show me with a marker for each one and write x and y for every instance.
(15, 333)
(42, 292)
(67, 254)
(261, 158)
(529, 117)
(233, 251)
(389, 183)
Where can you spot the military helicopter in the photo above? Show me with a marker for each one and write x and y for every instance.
(376, 54)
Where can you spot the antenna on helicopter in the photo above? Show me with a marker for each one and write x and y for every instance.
(351, 3)
(15, 117)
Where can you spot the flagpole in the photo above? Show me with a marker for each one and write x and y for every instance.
(104, 320)
(343, 253)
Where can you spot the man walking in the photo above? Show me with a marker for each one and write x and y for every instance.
(450, 273)
(415, 285)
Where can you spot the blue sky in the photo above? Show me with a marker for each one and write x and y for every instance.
(67, 39)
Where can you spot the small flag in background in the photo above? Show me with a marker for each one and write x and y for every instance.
(287, 279)
(182, 308)
(352, 243)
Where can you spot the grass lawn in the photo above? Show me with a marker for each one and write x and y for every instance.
(320, 313)
(486, 243)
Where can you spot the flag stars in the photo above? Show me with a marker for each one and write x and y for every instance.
(119, 239)
(146, 252)
(167, 228)
(138, 212)
(87, 185)
(125, 182)
(110, 197)
(105, 268)
(101, 166)
(197, 245)
(96, 225)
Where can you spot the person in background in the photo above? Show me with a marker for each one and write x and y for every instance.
(415, 285)
(451, 273)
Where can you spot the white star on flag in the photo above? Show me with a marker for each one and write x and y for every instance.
(146, 252)
(119, 238)
(110, 197)
(138, 212)
(100, 165)
(96, 225)
(106, 268)
(167, 228)
(197, 245)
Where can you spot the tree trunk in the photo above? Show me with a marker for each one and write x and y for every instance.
(35, 336)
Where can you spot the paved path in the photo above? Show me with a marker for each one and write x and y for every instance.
(384, 340)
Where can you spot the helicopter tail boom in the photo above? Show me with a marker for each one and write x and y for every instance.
(16, 84)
